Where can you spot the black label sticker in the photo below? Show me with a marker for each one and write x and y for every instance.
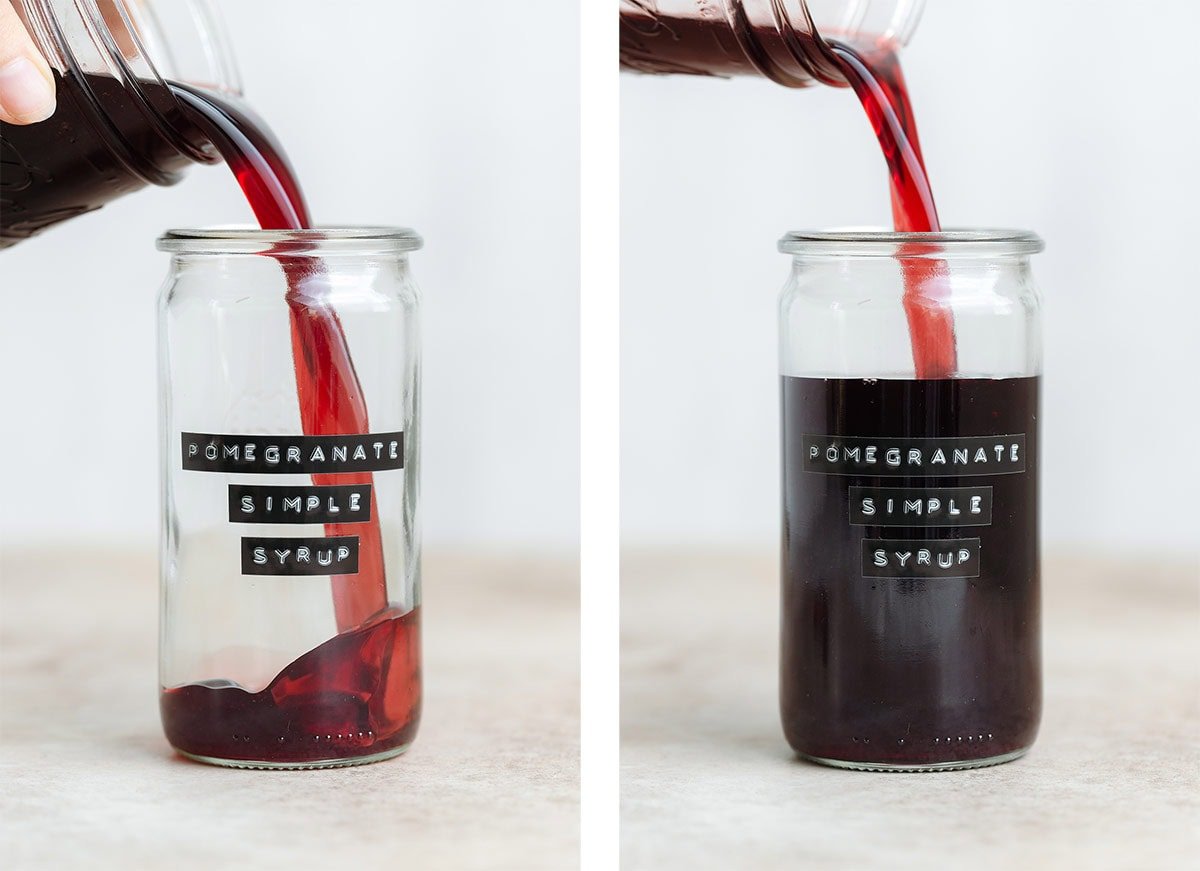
(918, 506)
(898, 558)
(336, 555)
(290, 455)
(914, 457)
(265, 503)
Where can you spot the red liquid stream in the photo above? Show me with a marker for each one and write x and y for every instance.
(331, 398)
(359, 693)
(878, 81)
(689, 39)
(66, 166)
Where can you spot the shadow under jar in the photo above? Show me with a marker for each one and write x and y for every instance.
(291, 581)
(911, 636)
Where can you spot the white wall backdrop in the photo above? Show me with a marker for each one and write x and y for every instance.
(1074, 119)
(460, 120)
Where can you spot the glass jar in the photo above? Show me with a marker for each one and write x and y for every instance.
(783, 40)
(290, 549)
(911, 636)
(117, 126)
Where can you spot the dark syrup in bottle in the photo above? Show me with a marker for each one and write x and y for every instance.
(919, 670)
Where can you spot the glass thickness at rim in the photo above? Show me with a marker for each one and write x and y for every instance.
(320, 240)
(854, 242)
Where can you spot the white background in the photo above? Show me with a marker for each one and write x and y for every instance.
(460, 120)
(1074, 119)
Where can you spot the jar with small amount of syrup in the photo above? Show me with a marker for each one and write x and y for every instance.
(289, 379)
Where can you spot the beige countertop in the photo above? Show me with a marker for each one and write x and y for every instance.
(709, 782)
(88, 781)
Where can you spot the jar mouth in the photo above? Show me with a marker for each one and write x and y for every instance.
(854, 242)
(317, 242)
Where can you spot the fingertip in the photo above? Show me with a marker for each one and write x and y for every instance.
(26, 94)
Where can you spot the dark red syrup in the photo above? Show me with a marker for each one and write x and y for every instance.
(908, 671)
(74, 162)
(358, 694)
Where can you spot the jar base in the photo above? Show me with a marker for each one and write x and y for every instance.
(296, 766)
(917, 769)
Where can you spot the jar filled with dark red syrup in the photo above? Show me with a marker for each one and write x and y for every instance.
(911, 368)
(118, 126)
(289, 365)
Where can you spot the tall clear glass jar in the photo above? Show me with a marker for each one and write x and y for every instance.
(782, 40)
(911, 636)
(117, 126)
(291, 582)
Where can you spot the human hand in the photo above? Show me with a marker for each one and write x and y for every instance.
(26, 83)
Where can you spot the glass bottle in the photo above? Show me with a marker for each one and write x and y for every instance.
(290, 562)
(117, 126)
(910, 583)
(783, 40)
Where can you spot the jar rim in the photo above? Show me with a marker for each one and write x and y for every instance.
(956, 242)
(316, 242)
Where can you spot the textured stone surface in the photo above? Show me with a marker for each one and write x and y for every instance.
(89, 782)
(708, 781)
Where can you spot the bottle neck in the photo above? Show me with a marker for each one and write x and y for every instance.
(782, 40)
(783, 43)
